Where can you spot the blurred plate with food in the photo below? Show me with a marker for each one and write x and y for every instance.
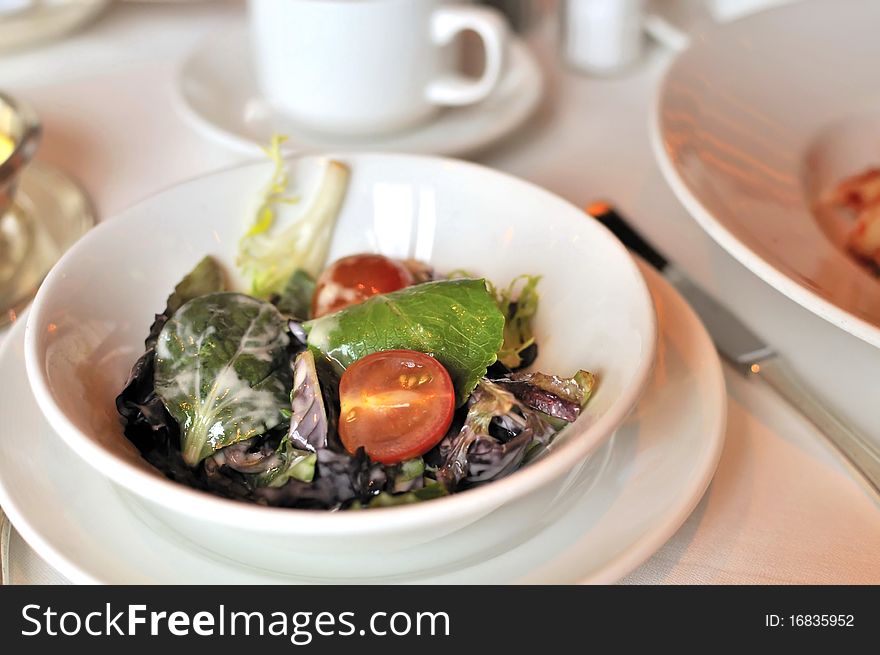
(768, 131)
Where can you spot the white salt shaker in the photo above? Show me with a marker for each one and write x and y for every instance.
(602, 37)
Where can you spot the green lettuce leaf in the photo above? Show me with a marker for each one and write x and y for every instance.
(556, 396)
(408, 475)
(291, 463)
(430, 491)
(519, 304)
(295, 299)
(207, 277)
(223, 371)
(456, 321)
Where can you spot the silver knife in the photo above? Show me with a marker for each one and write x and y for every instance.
(751, 356)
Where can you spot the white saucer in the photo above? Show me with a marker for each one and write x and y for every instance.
(40, 22)
(217, 92)
(644, 484)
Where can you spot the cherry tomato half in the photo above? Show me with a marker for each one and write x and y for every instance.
(397, 404)
(353, 279)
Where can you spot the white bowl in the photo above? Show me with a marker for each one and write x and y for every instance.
(89, 319)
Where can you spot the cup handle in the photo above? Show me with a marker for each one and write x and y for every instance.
(490, 26)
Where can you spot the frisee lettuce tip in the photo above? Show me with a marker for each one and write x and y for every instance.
(273, 249)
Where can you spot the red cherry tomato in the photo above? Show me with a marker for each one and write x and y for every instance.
(353, 279)
(396, 404)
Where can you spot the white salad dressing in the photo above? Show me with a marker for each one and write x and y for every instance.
(319, 335)
(332, 292)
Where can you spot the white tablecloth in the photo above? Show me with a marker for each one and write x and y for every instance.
(782, 507)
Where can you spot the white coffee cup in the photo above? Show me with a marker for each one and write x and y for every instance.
(369, 66)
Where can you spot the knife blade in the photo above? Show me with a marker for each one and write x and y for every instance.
(733, 339)
(749, 353)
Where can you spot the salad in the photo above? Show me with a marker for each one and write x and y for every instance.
(367, 382)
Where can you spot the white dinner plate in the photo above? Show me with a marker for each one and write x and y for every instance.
(638, 490)
(217, 92)
(755, 121)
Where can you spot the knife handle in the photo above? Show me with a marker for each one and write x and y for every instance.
(857, 448)
(627, 234)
